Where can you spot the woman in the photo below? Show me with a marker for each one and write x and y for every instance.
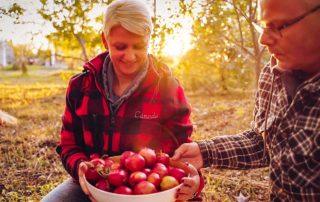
(124, 100)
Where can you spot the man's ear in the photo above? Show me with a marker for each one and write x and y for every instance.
(104, 41)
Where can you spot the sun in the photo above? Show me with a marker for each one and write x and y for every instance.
(178, 44)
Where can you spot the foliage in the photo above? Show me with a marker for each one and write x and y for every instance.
(23, 53)
(226, 53)
(14, 11)
(72, 23)
(163, 26)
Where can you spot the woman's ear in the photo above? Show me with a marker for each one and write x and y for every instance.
(104, 41)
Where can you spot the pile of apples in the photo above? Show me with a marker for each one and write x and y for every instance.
(139, 173)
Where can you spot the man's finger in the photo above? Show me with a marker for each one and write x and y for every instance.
(188, 183)
(184, 190)
(192, 170)
(178, 152)
(182, 197)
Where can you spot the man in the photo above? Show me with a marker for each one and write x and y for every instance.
(286, 132)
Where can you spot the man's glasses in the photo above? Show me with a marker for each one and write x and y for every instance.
(276, 31)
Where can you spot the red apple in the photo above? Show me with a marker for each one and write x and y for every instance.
(149, 155)
(123, 190)
(118, 177)
(177, 173)
(108, 162)
(168, 182)
(147, 171)
(155, 179)
(92, 175)
(163, 158)
(124, 156)
(161, 169)
(144, 187)
(135, 163)
(137, 177)
(103, 184)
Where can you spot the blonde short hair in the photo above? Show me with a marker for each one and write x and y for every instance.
(133, 15)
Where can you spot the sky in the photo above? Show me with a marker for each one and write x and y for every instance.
(35, 29)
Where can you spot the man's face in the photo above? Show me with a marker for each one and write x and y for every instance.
(298, 45)
(128, 51)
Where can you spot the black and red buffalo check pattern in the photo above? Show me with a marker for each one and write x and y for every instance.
(156, 115)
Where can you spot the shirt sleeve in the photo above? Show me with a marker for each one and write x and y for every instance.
(241, 151)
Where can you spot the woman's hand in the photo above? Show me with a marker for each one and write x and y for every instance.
(83, 167)
(189, 152)
(190, 185)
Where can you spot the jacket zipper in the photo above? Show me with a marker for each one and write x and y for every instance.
(113, 114)
(111, 131)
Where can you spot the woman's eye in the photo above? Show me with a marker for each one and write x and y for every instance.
(121, 47)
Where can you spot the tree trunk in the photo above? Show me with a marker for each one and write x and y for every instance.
(24, 68)
(257, 53)
(82, 44)
(23, 65)
(257, 68)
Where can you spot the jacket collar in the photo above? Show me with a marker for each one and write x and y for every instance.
(156, 70)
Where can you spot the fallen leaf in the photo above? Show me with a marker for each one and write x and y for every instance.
(242, 198)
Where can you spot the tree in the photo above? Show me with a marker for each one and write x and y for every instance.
(71, 21)
(225, 42)
(23, 53)
(162, 26)
(14, 11)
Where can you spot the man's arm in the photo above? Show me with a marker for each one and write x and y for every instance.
(240, 151)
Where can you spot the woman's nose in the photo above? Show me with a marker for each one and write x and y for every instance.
(130, 56)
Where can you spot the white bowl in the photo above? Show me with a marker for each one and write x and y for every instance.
(162, 196)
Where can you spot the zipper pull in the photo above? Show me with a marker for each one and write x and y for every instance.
(113, 120)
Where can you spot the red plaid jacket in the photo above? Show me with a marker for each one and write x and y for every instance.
(156, 115)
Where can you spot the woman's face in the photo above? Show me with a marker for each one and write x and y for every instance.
(128, 51)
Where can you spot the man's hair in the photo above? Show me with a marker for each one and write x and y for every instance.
(133, 15)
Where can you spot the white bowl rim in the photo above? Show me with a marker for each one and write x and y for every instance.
(130, 195)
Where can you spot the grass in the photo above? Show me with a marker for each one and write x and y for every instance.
(30, 167)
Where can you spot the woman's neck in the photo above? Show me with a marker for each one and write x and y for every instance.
(120, 84)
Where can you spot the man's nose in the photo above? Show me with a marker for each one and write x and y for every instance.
(267, 39)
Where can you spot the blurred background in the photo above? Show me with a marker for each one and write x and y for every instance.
(210, 45)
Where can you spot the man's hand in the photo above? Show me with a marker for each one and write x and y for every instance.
(190, 185)
(189, 152)
(83, 167)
